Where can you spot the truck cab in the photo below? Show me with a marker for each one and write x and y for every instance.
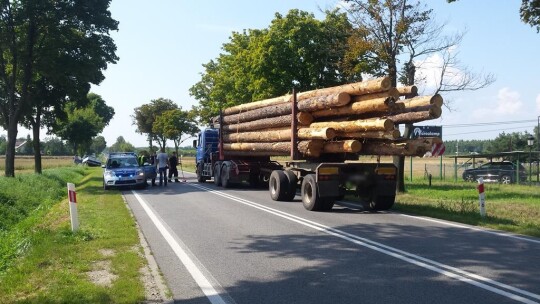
(207, 148)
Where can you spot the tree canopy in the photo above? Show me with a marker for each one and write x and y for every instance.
(296, 50)
(146, 115)
(50, 52)
(175, 124)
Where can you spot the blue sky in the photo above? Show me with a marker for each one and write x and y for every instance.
(162, 46)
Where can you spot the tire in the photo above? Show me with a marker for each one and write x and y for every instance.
(506, 179)
(278, 185)
(292, 182)
(327, 204)
(225, 181)
(217, 174)
(200, 177)
(310, 195)
(105, 187)
(469, 178)
(382, 202)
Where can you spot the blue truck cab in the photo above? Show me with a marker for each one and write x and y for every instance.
(207, 148)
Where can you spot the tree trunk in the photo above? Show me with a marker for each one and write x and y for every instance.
(392, 92)
(392, 134)
(420, 101)
(382, 104)
(12, 131)
(35, 141)
(359, 88)
(309, 147)
(342, 146)
(414, 117)
(324, 102)
(269, 123)
(356, 125)
(277, 135)
(411, 90)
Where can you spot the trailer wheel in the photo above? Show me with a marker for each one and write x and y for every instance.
(292, 181)
(200, 177)
(225, 170)
(310, 195)
(382, 202)
(217, 174)
(278, 185)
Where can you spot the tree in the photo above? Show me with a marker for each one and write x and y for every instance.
(296, 50)
(391, 30)
(49, 52)
(98, 145)
(146, 115)
(79, 125)
(121, 145)
(529, 12)
(174, 124)
(54, 146)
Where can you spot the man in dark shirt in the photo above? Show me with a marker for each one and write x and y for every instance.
(173, 161)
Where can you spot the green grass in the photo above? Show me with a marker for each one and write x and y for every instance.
(514, 208)
(52, 264)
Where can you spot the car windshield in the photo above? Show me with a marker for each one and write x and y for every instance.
(125, 162)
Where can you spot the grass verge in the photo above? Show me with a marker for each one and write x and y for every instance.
(514, 208)
(98, 264)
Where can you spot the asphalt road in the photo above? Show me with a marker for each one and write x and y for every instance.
(216, 245)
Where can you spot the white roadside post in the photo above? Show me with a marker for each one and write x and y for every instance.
(72, 196)
(482, 197)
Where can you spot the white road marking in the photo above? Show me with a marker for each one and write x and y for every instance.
(517, 237)
(452, 272)
(213, 296)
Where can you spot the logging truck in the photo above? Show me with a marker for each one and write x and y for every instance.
(312, 141)
(321, 179)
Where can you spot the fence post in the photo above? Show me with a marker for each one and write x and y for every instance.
(482, 197)
(72, 196)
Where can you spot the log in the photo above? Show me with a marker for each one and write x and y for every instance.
(358, 88)
(356, 125)
(276, 135)
(408, 90)
(342, 146)
(257, 104)
(269, 123)
(308, 147)
(423, 101)
(307, 105)
(381, 104)
(388, 148)
(414, 117)
(392, 92)
(324, 102)
(392, 134)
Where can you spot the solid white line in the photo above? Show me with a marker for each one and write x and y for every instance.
(394, 252)
(205, 285)
(472, 228)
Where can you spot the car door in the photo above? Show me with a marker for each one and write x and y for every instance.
(493, 172)
(483, 171)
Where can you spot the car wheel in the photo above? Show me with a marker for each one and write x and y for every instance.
(506, 179)
(105, 187)
(469, 178)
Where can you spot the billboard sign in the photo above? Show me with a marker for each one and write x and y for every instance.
(426, 131)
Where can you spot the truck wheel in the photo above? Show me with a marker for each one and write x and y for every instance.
(382, 202)
(310, 195)
(200, 177)
(278, 185)
(292, 181)
(225, 170)
(217, 174)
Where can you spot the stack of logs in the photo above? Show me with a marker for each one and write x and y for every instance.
(359, 118)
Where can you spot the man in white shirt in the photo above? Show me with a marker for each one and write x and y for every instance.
(162, 159)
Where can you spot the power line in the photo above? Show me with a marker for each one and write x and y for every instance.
(489, 123)
(493, 130)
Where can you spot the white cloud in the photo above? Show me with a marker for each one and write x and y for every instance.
(428, 73)
(508, 102)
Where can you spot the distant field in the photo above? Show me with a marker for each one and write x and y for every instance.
(26, 163)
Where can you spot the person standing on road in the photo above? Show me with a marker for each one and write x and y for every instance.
(173, 162)
(162, 159)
